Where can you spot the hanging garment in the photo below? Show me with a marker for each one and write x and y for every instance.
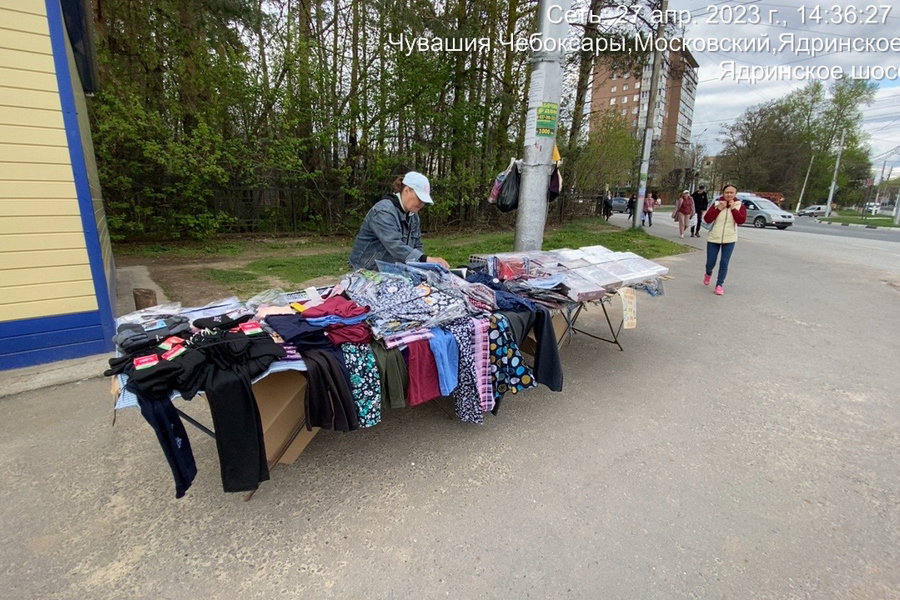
(423, 374)
(446, 358)
(159, 412)
(232, 360)
(465, 396)
(393, 374)
(520, 324)
(481, 356)
(547, 366)
(328, 401)
(509, 373)
(151, 379)
(365, 386)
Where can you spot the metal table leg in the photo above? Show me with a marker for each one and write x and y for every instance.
(615, 332)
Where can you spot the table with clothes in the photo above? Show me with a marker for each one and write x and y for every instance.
(398, 337)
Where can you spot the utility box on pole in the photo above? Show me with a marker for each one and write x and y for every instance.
(541, 124)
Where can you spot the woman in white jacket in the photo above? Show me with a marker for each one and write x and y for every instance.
(725, 214)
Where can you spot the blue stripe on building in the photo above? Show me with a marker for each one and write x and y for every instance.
(34, 341)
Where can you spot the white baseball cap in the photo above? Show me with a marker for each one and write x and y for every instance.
(419, 184)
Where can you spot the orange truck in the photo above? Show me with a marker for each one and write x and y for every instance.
(776, 197)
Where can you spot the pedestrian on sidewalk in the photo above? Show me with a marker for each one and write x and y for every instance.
(701, 203)
(684, 210)
(725, 214)
(649, 203)
(632, 205)
(607, 206)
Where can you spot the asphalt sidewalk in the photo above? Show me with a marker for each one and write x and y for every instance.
(740, 447)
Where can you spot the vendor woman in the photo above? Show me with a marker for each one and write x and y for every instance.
(391, 232)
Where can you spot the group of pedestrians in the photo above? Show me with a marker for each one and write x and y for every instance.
(723, 217)
(689, 210)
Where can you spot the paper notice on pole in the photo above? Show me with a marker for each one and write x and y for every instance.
(546, 119)
(629, 307)
(531, 126)
(536, 92)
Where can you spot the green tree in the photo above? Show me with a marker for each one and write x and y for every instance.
(769, 148)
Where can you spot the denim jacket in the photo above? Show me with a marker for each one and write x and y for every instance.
(388, 234)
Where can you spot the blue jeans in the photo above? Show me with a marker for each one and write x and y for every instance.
(712, 252)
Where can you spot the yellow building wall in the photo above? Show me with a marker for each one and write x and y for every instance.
(44, 268)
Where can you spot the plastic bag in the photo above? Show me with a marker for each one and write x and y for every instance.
(267, 298)
(154, 313)
(498, 182)
(508, 199)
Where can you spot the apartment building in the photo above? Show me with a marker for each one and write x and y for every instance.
(629, 94)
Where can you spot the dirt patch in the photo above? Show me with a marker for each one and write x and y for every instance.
(183, 272)
(187, 284)
(190, 283)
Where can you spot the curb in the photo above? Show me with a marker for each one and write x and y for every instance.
(28, 379)
(897, 229)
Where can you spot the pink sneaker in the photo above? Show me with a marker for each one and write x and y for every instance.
(719, 290)
(706, 279)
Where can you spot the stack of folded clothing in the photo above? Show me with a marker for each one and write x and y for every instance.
(135, 336)
(343, 320)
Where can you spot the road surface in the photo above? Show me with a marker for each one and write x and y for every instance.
(744, 446)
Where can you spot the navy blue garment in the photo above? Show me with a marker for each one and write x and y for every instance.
(484, 278)
(505, 300)
(159, 412)
(509, 301)
(299, 332)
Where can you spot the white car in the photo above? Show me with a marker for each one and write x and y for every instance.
(762, 212)
(816, 210)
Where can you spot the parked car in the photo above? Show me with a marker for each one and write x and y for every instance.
(762, 212)
(620, 204)
(816, 210)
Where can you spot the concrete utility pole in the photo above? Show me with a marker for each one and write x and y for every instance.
(897, 209)
(651, 116)
(837, 165)
(540, 127)
(806, 179)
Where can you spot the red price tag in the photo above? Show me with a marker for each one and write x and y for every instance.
(251, 327)
(145, 362)
(176, 351)
(171, 342)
